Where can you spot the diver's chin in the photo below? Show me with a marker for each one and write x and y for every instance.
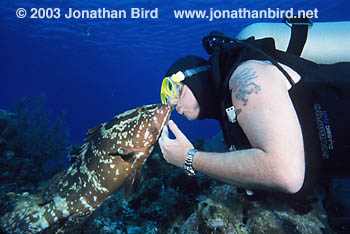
(189, 117)
(187, 114)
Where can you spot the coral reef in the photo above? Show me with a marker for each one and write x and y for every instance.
(30, 140)
(38, 133)
(226, 211)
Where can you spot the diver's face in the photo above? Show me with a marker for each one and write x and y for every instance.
(186, 103)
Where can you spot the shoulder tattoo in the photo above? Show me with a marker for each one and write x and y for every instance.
(242, 84)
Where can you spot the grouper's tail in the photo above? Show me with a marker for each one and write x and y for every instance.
(27, 217)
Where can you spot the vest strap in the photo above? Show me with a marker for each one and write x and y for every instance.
(298, 37)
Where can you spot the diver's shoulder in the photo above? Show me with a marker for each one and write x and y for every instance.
(262, 68)
(252, 67)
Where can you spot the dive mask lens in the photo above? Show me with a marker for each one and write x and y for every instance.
(166, 90)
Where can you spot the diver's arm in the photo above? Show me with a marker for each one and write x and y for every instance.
(268, 119)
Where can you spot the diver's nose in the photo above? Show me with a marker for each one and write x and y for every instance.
(179, 109)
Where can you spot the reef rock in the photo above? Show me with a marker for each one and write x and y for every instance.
(225, 210)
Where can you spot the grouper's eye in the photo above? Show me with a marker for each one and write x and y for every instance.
(141, 109)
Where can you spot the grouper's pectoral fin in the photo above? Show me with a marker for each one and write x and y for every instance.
(133, 183)
(51, 188)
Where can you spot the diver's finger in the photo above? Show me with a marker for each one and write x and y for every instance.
(165, 134)
(175, 129)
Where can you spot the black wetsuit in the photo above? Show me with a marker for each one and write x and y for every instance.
(321, 99)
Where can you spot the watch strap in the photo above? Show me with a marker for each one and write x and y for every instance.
(188, 162)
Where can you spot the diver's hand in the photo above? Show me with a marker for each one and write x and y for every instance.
(174, 150)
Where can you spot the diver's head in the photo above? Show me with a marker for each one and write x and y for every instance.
(187, 85)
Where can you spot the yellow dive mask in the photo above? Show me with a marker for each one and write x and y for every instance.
(171, 87)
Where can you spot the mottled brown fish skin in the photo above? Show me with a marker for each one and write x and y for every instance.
(112, 153)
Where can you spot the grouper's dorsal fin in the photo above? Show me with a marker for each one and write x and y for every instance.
(133, 183)
(92, 132)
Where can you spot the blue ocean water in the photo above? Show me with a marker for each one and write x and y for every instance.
(94, 69)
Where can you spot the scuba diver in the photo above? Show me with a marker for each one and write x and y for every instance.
(284, 110)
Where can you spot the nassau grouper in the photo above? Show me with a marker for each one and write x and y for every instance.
(112, 156)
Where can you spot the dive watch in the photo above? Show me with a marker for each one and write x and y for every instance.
(188, 162)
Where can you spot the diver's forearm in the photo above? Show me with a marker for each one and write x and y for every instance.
(251, 168)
